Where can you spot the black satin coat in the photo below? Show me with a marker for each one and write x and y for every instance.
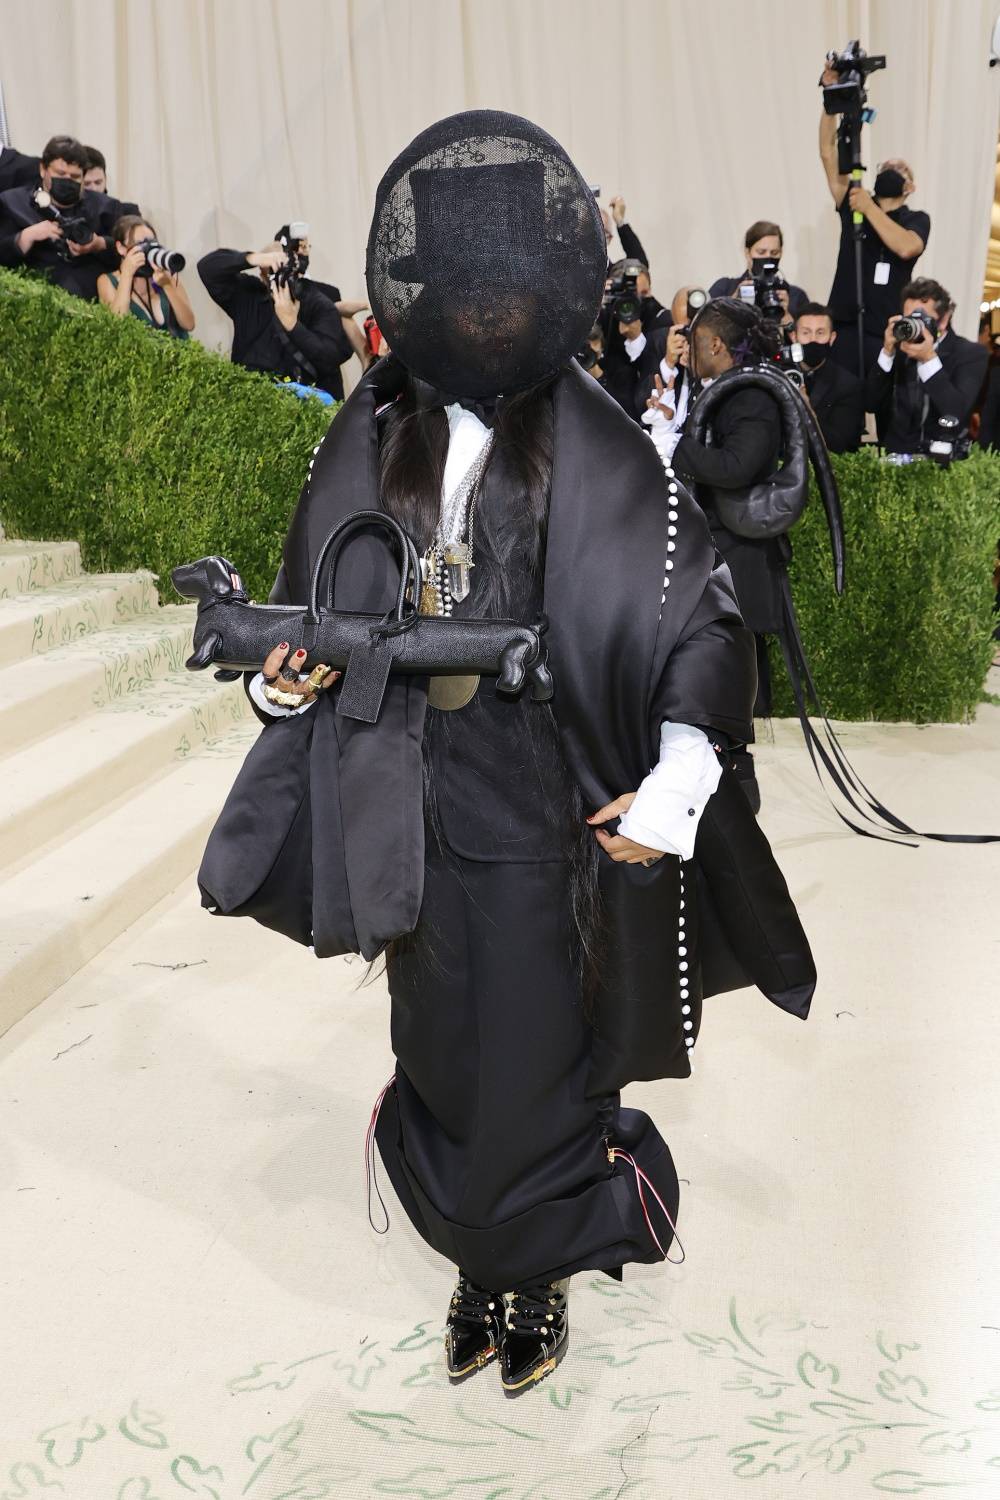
(628, 650)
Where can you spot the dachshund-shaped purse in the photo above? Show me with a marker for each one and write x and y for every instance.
(234, 634)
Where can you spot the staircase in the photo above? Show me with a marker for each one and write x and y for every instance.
(114, 761)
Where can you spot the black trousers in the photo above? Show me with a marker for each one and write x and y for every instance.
(495, 1152)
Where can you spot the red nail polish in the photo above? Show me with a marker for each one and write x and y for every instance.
(282, 645)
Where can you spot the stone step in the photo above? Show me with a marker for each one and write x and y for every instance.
(65, 906)
(36, 565)
(51, 785)
(40, 694)
(39, 620)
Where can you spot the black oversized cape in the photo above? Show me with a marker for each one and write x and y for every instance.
(643, 626)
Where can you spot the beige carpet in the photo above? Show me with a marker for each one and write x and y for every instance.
(193, 1303)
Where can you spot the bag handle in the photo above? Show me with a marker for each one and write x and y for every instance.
(409, 564)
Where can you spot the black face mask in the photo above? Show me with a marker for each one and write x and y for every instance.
(64, 192)
(889, 184)
(814, 354)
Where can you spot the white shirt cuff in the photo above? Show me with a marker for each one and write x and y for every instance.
(665, 436)
(668, 805)
(667, 372)
(634, 347)
(276, 710)
(886, 361)
(929, 367)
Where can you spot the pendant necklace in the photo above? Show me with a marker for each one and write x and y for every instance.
(445, 569)
(448, 561)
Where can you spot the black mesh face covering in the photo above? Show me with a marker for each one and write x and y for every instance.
(486, 257)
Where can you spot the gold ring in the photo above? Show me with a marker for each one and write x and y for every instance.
(287, 700)
(316, 678)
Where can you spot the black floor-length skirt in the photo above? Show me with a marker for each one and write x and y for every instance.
(493, 1148)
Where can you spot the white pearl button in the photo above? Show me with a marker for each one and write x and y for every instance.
(688, 1025)
(671, 531)
(682, 966)
(671, 546)
(669, 563)
(682, 950)
(685, 1010)
(689, 1041)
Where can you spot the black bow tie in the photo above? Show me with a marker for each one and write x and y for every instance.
(430, 397)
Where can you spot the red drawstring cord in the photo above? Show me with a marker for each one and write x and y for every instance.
(371, 1171)
(640, 1178)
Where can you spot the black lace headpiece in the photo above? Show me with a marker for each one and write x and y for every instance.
(486, 257)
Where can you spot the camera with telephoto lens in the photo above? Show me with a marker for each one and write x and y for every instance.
(909, 329)
(620, 295)
(291, 274)
(766, 281)
(59, 203)
(158, 258)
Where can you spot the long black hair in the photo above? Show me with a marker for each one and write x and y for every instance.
(750, 337)
(510, 542)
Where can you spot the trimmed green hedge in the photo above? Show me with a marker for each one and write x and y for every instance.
(910, 637)
(148, 450)
(151, 451)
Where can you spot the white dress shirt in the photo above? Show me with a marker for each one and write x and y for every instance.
(670, 800)
(925, 368)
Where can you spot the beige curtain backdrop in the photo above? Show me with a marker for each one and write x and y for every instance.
(224, 118)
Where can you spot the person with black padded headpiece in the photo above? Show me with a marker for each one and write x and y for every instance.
(744, 449)
(553, 879)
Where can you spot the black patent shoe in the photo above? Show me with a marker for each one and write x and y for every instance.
(536, 1334)
(473, 1330)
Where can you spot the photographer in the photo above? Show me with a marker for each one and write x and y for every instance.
(282, 325)
(661, 364)
(893, 238)
(762, 241)
(142, 290)
(918, 381)
(56, 228)
(836, 396)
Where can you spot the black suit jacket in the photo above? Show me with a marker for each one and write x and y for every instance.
(745, 448)
(17, 170)
(838, 399)
(907, 409)
(79, 276)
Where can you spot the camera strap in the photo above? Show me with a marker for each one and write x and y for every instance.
(832, 758)
(301, 364)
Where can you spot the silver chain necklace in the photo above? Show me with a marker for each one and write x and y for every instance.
(446, 565)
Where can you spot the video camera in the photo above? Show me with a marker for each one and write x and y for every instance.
(621, 299)
(848, 98)
(63, 197)
(290, 237)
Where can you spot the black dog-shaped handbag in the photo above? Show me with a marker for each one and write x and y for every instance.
(233, 633)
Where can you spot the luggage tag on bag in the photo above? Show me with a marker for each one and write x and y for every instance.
(365, 678)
